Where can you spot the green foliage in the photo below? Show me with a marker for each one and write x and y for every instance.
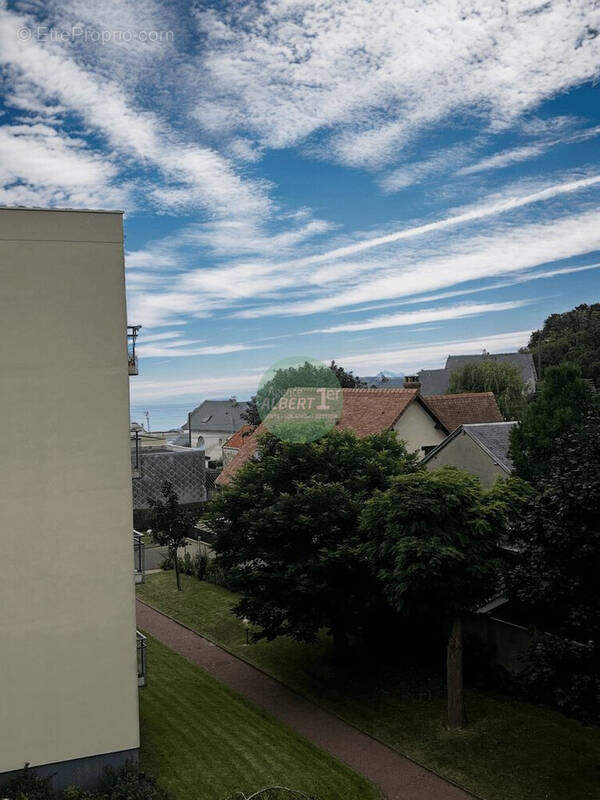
(564, 674)
(200, 566)
(28, 786)
(557, 538)
(170, 523)
(167, 562)
(347, 380)
(573, 336)
(431, 543)
(560, 405)
(287, 531)
(503, 379)
(127, 783)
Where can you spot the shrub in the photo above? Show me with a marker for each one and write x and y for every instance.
(167, 562)
(28, 786)
(200, 566)
(564, 674)
(130, 783)
(215, 573)
(188, 565)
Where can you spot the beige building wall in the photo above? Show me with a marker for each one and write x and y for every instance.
(67, 625)
(464, 453)
(417, 429)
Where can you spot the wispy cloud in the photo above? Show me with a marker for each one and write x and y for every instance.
(460, 311)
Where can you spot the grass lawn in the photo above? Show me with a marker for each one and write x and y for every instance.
(204, 742)
(511, 750)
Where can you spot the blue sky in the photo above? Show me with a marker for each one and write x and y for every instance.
(380, 183)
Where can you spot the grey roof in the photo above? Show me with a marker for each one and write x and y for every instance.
(381, 381)
(434, 381)
(218, 415)
(493, 437)
(523, 361)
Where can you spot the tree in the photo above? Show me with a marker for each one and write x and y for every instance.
(303, 375)
(169, 523)
(287, 532)
(574, 337)
(347, 380)
(561, 404)
(557, 538)
(432, 547)
(501, 378)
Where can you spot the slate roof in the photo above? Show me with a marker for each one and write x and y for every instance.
(457, 409)
(369, 411)
(493, 438)
(436, 381)
(217, 415)
(382, 381)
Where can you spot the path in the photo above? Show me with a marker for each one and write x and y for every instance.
(398, 777)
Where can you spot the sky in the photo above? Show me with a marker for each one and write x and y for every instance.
(381, 183)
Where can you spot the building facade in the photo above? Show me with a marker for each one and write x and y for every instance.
(68, 666)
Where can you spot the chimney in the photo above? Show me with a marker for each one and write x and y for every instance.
(412, 382)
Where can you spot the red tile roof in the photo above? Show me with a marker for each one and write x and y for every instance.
(461, 409)
(368, 411)
(239, 437)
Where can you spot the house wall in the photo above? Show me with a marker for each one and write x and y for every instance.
(67, 627)
(213, 442)
(464, 453)
(417, 429)
(184, 467)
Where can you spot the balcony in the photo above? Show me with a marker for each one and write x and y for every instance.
(138, 557)
(142, 665)
(132, 334)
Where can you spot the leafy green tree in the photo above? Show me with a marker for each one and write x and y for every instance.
(169, 523)
(573, 336)
(305, 375)
(287, 532)
(557, 538)
(561, 404)
(432, 546)
(501, 378)
(347, 380)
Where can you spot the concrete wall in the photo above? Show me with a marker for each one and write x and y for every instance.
(67, 626)
(464, 453)
(417, 429)
(183, 466)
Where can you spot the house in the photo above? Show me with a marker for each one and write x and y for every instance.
(436, 381)
(383, 381)
(235, 442)
(421, 422)
(68, 666)
(481, 449)
(212, 423)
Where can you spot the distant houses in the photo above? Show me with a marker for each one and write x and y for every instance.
(210, 424)
(481, 449)
(436, 381)
(422, 422)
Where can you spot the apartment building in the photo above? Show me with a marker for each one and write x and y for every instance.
(68, 671)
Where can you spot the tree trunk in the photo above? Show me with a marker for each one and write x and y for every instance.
(454, 677)
(177, 575)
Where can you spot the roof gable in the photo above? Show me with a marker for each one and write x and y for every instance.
(493, 438)
(217, 415)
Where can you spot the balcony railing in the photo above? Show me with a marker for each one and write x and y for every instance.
(138, 557)
(142, 663)
(132, 334)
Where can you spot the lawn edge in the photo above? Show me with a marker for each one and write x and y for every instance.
(310, 700)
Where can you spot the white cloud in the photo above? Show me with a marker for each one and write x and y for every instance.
(194, 174)
(423, 315)
(371, 74)
(412, 359)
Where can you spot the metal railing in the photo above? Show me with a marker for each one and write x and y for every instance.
(132, 334)
(142, 658)
(139, 565)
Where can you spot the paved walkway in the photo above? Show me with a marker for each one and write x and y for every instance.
(397, 776)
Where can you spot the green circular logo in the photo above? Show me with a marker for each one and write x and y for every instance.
(299, 399)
